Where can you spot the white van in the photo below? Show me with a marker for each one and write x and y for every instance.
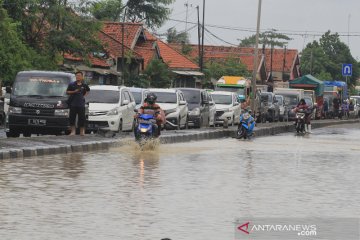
(227, 108)
(110, 108)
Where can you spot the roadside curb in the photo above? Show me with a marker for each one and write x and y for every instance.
(103, 144)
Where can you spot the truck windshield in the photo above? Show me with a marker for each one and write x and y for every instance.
(41, 86)
(103, 96)
(239, 91)
(222, 99)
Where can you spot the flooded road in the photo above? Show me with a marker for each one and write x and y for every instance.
(184, 191)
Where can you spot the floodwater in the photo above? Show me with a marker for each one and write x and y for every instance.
(186, 191)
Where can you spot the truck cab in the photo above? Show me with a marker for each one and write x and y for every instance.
(38, 104)
(237, 84)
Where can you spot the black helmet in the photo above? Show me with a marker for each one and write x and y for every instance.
(302, 101)
(151, 98)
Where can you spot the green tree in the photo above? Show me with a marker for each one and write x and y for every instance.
(107, 10)
(271, 38)
(230, 67)
(153, 12)
(158, 74)
(52, 27)
(172, 36)
(16, 56)
(324, 59)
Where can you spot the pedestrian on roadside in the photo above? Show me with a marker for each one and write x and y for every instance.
(77, 91)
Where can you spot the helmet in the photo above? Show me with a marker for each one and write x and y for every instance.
(151, 98)
(302, 101)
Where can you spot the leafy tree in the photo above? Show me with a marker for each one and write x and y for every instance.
(172, 36)
(271, 38)
(52, 27)
(109, 10)
(324, 59)
(16, 56)
(230, 67)
(158, 74)
(152, 12)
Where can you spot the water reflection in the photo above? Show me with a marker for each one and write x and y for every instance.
(183, 191)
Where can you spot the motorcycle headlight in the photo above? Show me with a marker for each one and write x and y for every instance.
(170, 111)
(62, 112)
(113, 112)
(195, 111)
(15, 110)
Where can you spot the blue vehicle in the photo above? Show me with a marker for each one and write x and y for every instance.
(146, 127)
(246, 126)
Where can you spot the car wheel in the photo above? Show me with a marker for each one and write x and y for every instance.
(12, 134)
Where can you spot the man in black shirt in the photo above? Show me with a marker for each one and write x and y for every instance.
(77, 91)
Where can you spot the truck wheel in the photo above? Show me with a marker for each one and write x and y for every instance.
(12, 134)
(27, 134)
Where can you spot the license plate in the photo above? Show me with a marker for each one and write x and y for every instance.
(37, 122)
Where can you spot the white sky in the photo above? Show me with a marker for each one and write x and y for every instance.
(300, 17)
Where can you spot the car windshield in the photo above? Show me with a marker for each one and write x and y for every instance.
(291, 100)
(222, 99)
(138, 97)
(103, 96)
(192, 96)
(165, 97)
(41, 86)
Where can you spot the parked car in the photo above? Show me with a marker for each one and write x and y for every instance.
(270, 107)
(110, 108)
(228, 110)
(174, 104)
(198, 105)
(284, 113)
(139, 95)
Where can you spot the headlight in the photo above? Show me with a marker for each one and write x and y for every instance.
(113, 112)
(170, 111)
(15, 110)
(62, 112)
(195, 111)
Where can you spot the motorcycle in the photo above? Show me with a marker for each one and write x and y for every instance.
(145, 128)
(245, 128)
(300, 120)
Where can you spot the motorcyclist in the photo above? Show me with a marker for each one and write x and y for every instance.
(345, 109)
(302, 105)
(247, 118)
(150, 107)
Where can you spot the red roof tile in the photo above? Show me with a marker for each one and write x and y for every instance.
(245, 54)
(175, 59)
(146, 50)
(95, 62)
(131, 31)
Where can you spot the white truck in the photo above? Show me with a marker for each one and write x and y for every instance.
(291, 98)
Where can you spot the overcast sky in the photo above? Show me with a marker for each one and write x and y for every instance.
(299, 19)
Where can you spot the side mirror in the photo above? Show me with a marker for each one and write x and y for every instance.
(182, 103)
(212, 103)
(205, 102)
(125, 102)
(236, 104)
(136, 110)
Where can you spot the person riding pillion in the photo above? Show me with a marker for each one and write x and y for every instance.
(150, 107)
(302, 105)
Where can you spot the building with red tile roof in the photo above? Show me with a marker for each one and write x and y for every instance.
(284, 62)
(140, 47)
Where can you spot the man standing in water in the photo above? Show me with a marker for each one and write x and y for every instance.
(77, 91)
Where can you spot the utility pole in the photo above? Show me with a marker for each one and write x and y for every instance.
(123, 50)
(199, 47)
(253, 82)
(186, 18)
(349, 30)
(202, 40)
